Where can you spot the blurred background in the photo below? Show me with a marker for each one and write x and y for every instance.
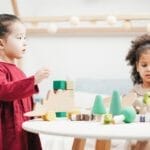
(82, 40)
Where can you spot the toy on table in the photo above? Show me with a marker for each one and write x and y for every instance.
(142, 103)
(61, 114)
(81, 117)
(98, 108)
(120, 114)
(128, 115)
(117, 114)
(61, 99)
(49, 116)
(115, 105)
(108, 119)
(146, 98)
(143, 117)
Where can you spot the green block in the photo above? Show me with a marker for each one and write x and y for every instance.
(61, 114)
(60, 84)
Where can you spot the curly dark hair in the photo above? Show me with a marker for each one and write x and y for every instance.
(139, 46)
(5, 21)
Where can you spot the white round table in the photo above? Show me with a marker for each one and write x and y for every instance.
(89, 129)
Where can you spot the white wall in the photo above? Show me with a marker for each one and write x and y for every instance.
(77, 57)
(75, 7)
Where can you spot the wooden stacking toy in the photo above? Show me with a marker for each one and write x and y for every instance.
(60, 99)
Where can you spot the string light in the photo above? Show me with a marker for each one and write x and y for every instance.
(126, 22)
(52, 28)
(74, 20)
(111, 20)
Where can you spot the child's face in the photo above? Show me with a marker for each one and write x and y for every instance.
(143, 67)
(15, 44)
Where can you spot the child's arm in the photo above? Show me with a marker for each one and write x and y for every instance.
(10, 91)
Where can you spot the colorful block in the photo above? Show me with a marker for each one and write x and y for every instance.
(59, 84)
(61, 114)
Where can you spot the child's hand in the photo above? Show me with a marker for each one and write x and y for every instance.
(41, 75)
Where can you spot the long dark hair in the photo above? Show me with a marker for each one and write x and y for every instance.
(139, 46)
(5, 21)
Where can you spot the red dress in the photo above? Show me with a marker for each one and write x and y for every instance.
(15, 99)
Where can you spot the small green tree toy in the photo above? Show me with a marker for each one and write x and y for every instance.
(115, 106)
(98, 107)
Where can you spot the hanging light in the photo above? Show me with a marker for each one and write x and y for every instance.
(52, 28)
(74, 20)
(111, 20)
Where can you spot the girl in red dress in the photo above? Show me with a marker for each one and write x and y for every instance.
(16, 89)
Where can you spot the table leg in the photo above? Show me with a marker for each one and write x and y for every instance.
(103, 145)
(140, 145)
(78, 144)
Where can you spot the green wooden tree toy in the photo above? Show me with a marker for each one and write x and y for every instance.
(98, 107)
(115, 106)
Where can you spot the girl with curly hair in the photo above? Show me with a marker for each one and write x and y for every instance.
(138, 58)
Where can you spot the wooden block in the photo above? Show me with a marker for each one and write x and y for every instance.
(60, 84)
(38, 111)
(59, 101)
(69, 85)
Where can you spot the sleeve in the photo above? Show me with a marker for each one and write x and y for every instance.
(10, 91)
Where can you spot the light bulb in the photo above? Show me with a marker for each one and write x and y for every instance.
(52, 28)
(74, 20)
(111, 20)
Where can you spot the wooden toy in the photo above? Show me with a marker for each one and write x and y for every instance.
(98, 108)
(81, 117)
(49, 116)
(72, 112)
(59, 84)
(70, 85)
(61, 114)
(142, 103)
(108, 119)
(142, 119)
(56, 101)
(128, 115)
(115, 105)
